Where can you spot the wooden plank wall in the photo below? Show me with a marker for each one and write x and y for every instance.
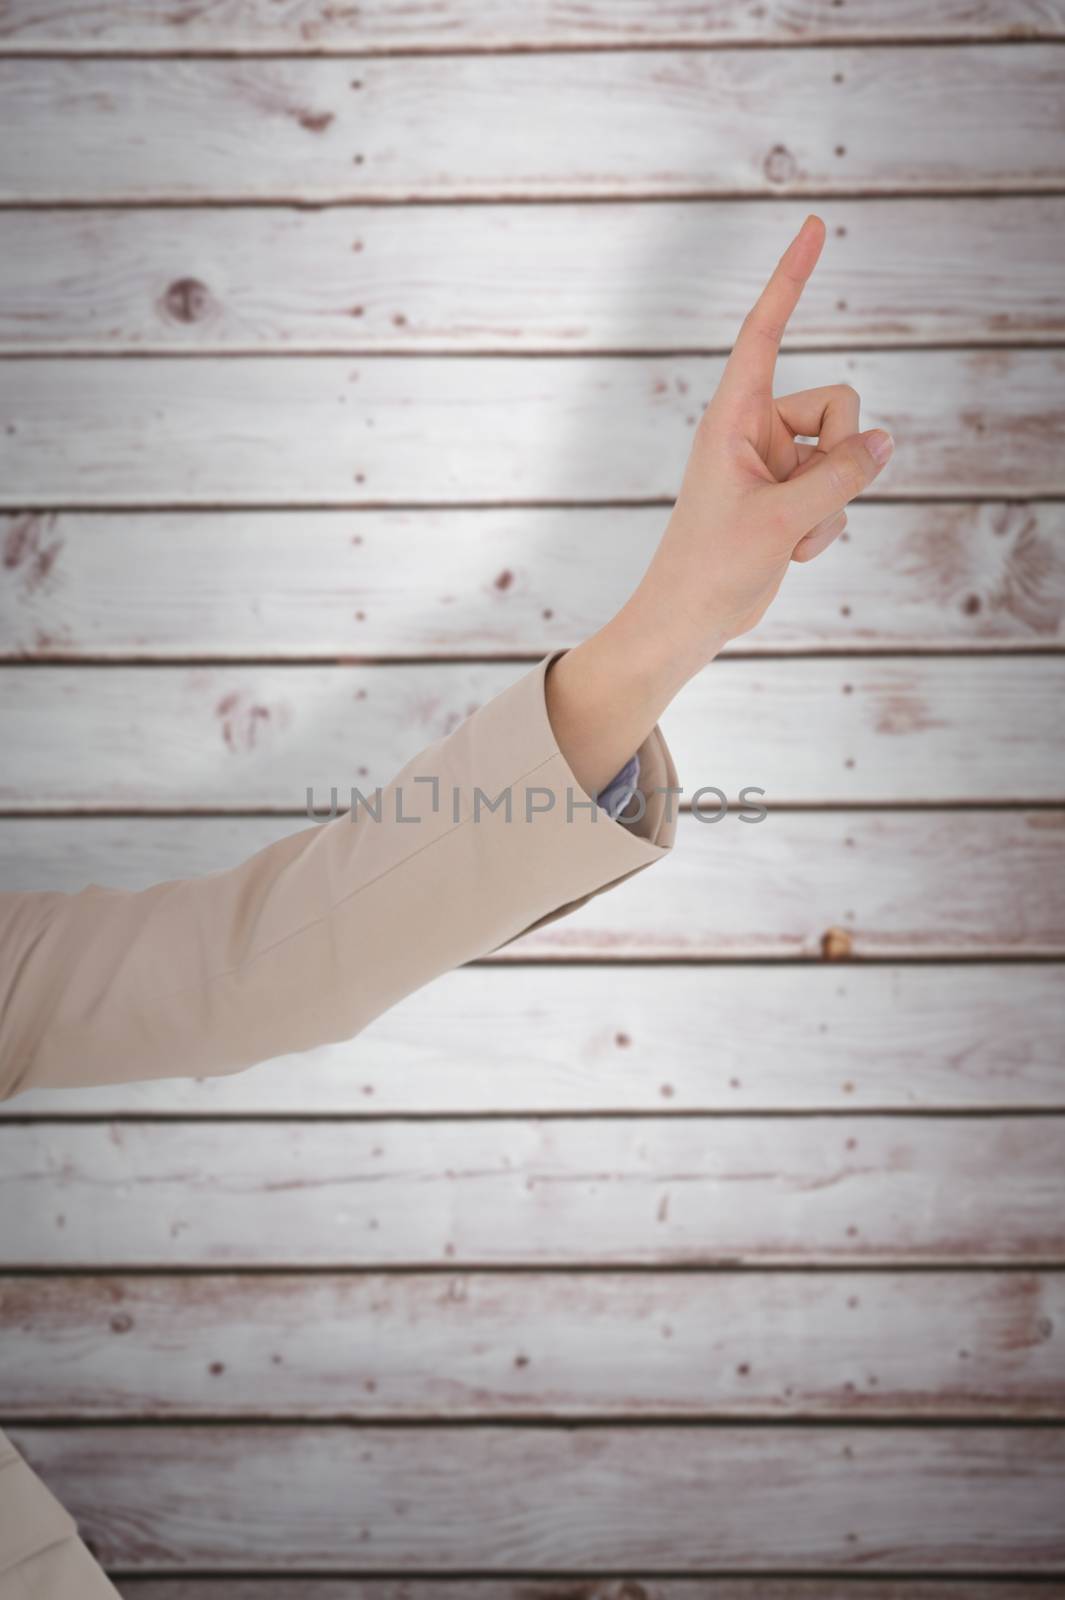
(709, 1244)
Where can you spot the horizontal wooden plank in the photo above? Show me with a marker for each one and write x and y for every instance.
(564, 278)
(310, 27)
(330, 431)
(981, 1346)
(939, 729)
(656, 123)
(864, 884)
(612, 1192)
(525, 1588)
(574, 1039)
(321, 584)
(491, 1499)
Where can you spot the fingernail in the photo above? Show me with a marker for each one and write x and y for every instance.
(880, 445)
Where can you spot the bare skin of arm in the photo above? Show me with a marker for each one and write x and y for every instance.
(753, 498)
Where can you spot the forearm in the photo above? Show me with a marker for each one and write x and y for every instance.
(606, 694)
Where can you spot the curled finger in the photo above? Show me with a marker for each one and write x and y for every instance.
(819, 538)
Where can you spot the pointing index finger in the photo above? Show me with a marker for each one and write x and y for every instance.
(753, 358)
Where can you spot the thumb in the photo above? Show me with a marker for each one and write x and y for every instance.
(827, 485)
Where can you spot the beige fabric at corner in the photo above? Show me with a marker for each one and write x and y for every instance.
(41, 1555)
(302, 944)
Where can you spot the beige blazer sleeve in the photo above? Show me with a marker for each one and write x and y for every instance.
(482, 836)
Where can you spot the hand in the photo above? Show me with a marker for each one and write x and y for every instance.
(752, 498)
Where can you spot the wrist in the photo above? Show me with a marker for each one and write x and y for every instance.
(664, 646)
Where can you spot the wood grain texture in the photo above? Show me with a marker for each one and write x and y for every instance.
(155, 1280)
(657, 1038)
(489, 1499)
(631, 123)
(478, 582)
(877, 884)
(616, 1192)
(329, 431)
(973, 1345)
(559, 277)
(761, 1588)
(934, 729)
(312, 27)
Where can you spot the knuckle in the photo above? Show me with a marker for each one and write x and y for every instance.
(763, 327)
(846, 477)
(830, 526)
(847, 391)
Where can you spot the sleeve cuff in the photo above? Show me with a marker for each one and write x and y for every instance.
(582, 849)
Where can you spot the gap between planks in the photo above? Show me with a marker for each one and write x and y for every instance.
(828, 41)
(429, 659)
(304, 1269)
(652, 1114)
(356, 352)
(498, 1422)
(298, 202)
